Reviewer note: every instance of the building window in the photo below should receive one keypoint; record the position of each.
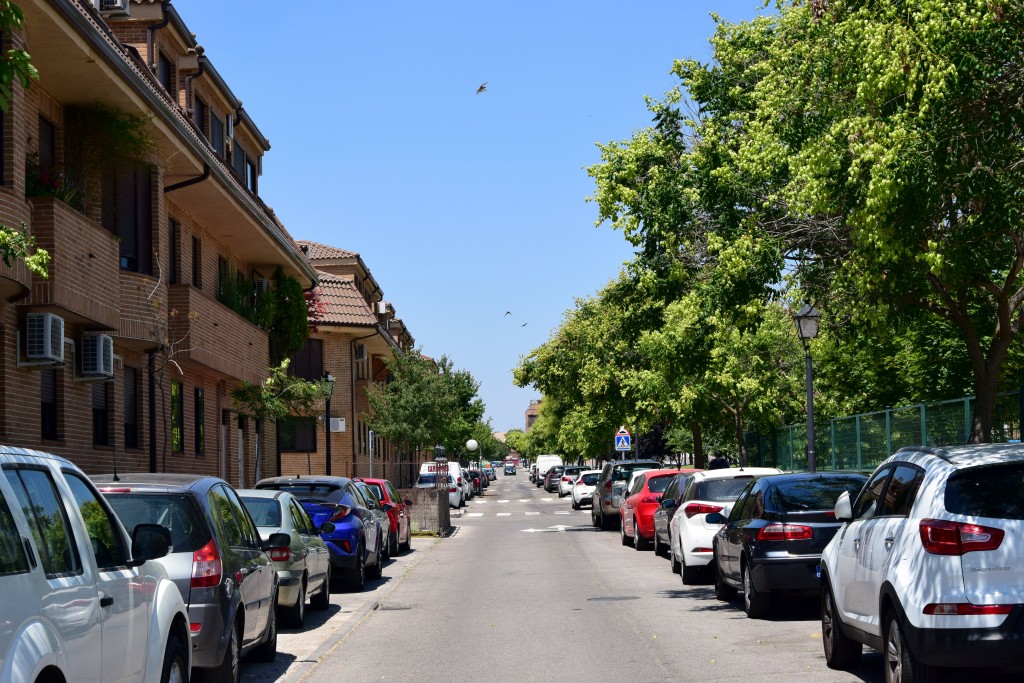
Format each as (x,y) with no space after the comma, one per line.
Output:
(48,403)
(200,409)
(238,161)
(174,258)
(197,263)
(223,273)
(127,213)
(131,408)
(47,146)
(308,362)
(361,362)
(199,116)
(217,134)
(250,175)
(164,73)
(297,434)
(177,417)
(100,415)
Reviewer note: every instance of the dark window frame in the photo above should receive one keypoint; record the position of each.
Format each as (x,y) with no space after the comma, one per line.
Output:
(131,407)
(199,410)
(49,405)
(127,213)
(177,417)
(197,262)
(165,72)
(173,251)
(101,401)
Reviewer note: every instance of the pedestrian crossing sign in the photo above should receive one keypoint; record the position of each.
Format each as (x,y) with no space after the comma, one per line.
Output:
(622,440)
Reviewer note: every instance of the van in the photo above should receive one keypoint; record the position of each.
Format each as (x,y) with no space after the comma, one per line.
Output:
(544,463)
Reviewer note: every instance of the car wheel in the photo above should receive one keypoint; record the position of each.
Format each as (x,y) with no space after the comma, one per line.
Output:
(321,600)
(900,664)
(677,566)
(267,652)
(384,550)
(175,668)
(841,652)
(406,545)
(294,615)
(639,542)
(690,575)
(756,604)
(723,591)
(659,550)
(355,578)
(626,540)
(393,548)
(230,668)
(575,505)
(377,569)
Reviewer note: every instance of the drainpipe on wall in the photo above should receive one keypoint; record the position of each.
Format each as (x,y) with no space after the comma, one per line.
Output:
(150,51)
(189,101)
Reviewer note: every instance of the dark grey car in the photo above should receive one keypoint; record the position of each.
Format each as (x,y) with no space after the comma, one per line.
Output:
(217,560)
(663,516)
(604,512)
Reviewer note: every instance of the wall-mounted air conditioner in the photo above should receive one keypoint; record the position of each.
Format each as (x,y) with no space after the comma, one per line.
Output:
(112,8)
(44,338)
(360,352)
(97,356)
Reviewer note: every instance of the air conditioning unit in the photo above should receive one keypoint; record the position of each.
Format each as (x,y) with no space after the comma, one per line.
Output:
(112,8)
(382,307)
(98,356)
(45,338)
(360,352)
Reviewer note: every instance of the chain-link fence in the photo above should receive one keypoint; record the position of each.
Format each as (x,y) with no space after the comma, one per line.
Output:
(860,442)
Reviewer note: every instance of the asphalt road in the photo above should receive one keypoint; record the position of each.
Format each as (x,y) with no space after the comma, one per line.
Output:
(525,589)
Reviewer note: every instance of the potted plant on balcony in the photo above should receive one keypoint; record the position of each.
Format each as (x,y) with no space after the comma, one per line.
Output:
(42,182)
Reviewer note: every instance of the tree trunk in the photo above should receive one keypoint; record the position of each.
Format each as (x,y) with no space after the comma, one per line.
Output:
(698,447)
(258,470)
(738,424)
(985,385)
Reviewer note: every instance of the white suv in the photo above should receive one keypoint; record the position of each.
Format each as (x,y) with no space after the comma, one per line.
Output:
(84,602)
(928,567)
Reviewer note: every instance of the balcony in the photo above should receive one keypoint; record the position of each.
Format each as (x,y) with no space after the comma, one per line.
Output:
(220,338)
(83,276)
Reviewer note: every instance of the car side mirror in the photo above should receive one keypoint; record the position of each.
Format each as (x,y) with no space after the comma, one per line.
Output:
(388,507)
(326,528)
(408,502)
(668,503)
(277,540)
(715,518)
(844,511)
(149,542)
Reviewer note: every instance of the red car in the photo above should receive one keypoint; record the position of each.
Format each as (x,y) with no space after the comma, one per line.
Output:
(398,515)
(636,513)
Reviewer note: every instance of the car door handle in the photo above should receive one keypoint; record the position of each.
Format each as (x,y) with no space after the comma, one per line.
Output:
(889,540)
(106,601)
(856,544)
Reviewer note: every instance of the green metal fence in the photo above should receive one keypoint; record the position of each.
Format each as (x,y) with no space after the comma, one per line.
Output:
(860,442)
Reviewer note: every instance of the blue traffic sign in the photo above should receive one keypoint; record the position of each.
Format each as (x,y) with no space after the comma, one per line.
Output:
(622,442)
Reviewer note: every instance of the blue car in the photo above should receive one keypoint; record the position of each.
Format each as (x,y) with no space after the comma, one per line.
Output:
(357,544)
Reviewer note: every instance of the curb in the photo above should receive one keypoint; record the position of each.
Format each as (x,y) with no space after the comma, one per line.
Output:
(357,618)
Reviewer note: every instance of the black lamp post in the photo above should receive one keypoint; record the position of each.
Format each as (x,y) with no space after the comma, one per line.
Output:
(807,319)
(329,379)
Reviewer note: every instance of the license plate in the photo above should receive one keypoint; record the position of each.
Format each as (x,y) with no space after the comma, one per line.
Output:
(817,571)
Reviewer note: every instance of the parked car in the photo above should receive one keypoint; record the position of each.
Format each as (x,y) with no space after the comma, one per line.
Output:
(476,481)
(706,492)
(429,481)
(604,512)
(355,544)
(665,511)
(567,479)
(491,474)
(218,561)
(376,508)
(551,478)
(544,463)
(304,565)
(510,469)
(533,472)
(463,480)
(61,546)
(583,488)
(773,538)
(636,514)
(398,513)
(927,565)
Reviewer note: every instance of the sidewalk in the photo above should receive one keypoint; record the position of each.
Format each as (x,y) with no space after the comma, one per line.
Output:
(300,650)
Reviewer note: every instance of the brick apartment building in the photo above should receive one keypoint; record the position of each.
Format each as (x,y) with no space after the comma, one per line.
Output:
(178,249)
(354,330)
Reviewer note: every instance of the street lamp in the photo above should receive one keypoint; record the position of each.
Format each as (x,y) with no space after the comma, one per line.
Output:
(471,446)
(807,319)
(328,378)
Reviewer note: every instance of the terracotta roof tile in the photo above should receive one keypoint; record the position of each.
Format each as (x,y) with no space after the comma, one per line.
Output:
(315,251)
(343,304)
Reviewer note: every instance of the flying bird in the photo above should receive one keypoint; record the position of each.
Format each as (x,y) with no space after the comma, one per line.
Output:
(523,325)
(508,313)
(482,88)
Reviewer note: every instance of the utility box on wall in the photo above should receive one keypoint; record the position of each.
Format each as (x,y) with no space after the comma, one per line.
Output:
(337,424)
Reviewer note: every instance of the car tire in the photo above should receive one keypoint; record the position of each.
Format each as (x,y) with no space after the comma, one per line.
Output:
(384,550)
(393,548)
(756,604)
(677,566)
(841,652)
(723,591)
(690,575)
(593,517)
(900,664)
(626,540)
(639,542)
(175,667)
(267,651)
(406,546)
(321,600)
(377,569)
(293,616)
(659,549)
(230,668)
(355,578)
(575,505)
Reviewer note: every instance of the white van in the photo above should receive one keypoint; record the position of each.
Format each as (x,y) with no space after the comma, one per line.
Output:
(457,473)
(544,463)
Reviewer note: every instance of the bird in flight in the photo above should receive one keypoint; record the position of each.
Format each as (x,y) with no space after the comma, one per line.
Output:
(482,88)
(508,313)
(523,325)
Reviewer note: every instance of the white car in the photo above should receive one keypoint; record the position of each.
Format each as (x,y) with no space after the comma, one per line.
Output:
(567,479)
(928,567)
(428,480)
(583,488)
(82,601)
(706,491)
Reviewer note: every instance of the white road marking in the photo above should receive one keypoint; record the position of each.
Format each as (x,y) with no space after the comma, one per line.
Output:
(524,500)
(502,501)
(504,514)
(562,512)
(474,514)
(547,500)
(532,513)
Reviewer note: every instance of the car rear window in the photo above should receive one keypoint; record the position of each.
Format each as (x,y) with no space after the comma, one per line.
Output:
(811,494)
(995,491)
(427,479)
(328,492)
(659,484)
(174,511)
(591,479)
(721,489)
(623,472)
(265,512)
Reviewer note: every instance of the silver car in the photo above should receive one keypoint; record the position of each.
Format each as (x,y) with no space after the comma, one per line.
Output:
(304,567)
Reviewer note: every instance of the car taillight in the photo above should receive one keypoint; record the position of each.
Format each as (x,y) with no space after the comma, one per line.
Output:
(340,511)
(280,554)
(206,566)
(944,537)
(965,609)
(452,490)
(700,509)
(459,481)
(785,532)
(346,546)
(608,485)
(650,499)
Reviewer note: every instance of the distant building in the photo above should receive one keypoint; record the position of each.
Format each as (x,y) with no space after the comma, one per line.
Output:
(531,413)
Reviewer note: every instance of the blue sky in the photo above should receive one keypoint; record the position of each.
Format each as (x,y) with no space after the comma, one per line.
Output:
(463,206)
